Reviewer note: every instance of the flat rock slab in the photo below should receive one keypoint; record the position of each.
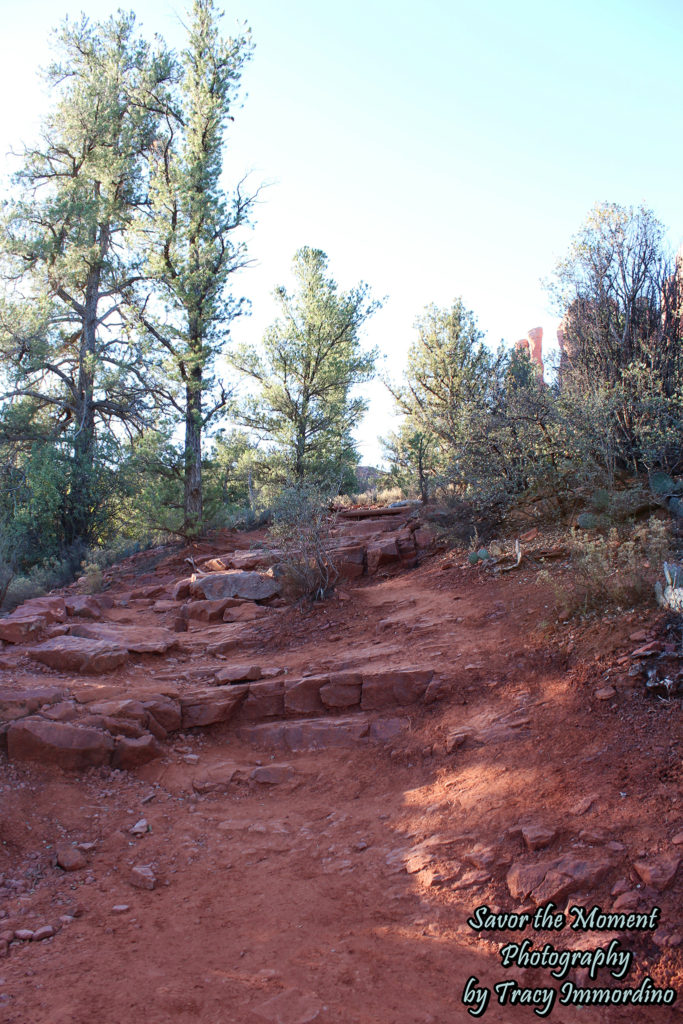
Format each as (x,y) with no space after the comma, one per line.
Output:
(342,691)
(20,629)
(137,640)
(554,879)
(249,560)
(20,703)
(58,743)
(251,586)
(84,606)
(132,752)
(400,686)
(310,734)
(80,654)
(219,778)
(272,774)
(238,674)
(52,608)
(302,696)
(206,707)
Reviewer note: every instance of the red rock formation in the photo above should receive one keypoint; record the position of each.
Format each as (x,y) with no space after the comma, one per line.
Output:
(533,346)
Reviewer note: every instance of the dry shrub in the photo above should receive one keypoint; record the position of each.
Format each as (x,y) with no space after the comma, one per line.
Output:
(301,533)
(613,571)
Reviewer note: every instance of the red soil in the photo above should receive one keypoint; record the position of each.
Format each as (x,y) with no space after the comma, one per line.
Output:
(291,902)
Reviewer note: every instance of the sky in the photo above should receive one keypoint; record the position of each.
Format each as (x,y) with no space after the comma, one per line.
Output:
(436,150)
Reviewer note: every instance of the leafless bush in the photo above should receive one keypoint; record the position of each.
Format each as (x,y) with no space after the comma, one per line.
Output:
(301,534)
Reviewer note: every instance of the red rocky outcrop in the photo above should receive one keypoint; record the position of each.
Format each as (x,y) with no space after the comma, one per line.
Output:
(78,654)
(58,743)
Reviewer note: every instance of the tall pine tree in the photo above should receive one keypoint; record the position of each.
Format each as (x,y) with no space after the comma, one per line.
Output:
(68,366)
(191,242)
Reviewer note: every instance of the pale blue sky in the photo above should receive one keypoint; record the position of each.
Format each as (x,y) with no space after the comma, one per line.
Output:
(433,150)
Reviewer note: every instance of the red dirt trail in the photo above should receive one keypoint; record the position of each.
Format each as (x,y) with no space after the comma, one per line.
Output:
(342,893)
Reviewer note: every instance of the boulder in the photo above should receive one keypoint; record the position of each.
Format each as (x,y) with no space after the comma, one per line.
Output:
(68,746)
(52,609)
(424,538)
(133,752)
(181,590)
(69,858)
(406,549)
(79,654)
(206,707)
(136,639)
(252,586)
(207,611)
(302,696)
(342,691)
(658,872)
(19,629)
(83,606)
(350,561)
(244,612)
(165,711)
(382,552)
(400,686)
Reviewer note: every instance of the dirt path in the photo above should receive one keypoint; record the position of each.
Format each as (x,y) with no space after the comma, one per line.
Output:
(340,890)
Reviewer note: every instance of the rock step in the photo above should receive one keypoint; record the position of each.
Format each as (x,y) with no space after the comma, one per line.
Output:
(47,726)
(321,733)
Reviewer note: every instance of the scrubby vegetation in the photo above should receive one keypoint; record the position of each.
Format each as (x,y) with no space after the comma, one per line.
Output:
(118,248)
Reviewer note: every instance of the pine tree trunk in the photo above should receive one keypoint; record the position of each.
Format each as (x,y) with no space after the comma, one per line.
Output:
(82,497)
(193,507)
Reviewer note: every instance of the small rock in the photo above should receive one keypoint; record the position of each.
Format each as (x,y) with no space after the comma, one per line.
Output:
(627,901)
(583,806)
(70,859)
(537,837)
(23,934)
(142,877)
(455,740)
(66,919)
(120,908)
(140,828)
(678,840)
(272,774)
(605,693)
(46,932)
(659,872)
